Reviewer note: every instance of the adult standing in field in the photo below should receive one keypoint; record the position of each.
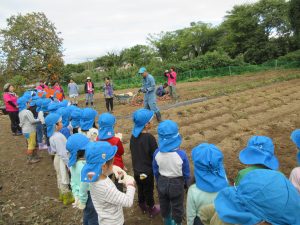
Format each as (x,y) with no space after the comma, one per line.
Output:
(73,91)
(89,91)
(108,89)
(149,92)
(42,86)
(10,99)
(172,77)
(59,89)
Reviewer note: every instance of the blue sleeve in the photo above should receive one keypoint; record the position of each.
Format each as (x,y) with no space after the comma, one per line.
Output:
(185,166)
(152,84)
(155,165)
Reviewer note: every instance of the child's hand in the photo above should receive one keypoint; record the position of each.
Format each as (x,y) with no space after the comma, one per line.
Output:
(128,181)
(81,206)
(75,204)
(118,172)
(90,175)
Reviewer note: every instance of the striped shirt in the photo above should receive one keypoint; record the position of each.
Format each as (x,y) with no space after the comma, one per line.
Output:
(108,201)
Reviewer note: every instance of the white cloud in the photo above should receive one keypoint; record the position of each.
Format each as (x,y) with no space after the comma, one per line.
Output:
(90,28)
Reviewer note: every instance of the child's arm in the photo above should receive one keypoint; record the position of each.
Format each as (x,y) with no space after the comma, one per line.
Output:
(73,184)
(191,210)
(30,117)
(185,166)
(153,145)
(61,150)
(155,166)
(120,148)
(114,196)
(83,192)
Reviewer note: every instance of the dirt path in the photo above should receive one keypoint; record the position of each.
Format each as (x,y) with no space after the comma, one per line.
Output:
(29,193)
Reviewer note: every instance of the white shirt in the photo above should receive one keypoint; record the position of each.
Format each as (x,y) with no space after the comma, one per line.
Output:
(109,201)
(41,117)
(27,121)
(58,144)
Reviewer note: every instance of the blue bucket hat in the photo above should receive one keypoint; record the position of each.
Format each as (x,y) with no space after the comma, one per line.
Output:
(38,104)
(45,104)
(295,136)
(22,103)
(64,103)
(169,138)
(142,70)
(53,107)
(259,150)
(263,195)
(65,114)
(50,122)
(75,143)
(75,117)
(28,95)
(33,100)
(209,170)
(87,118)
(140,118)
(96,155)
(106,124)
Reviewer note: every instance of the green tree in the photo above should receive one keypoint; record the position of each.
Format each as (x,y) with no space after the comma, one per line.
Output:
(32,47)
(294,14)
(138,55)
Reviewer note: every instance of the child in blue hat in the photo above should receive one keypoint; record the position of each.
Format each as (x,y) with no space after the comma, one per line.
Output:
(107,199)
(76,147)
(87,124)
(40,127)
(172,172)
(259,154)
(295,136)
(61,159)
(210,178)
(106,124)
(65,113)
(28,125)
(75,119)
(262,196)
(142,146)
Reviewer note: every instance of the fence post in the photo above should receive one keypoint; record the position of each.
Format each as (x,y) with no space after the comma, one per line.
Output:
(229,70)
(190,74)
(276,64)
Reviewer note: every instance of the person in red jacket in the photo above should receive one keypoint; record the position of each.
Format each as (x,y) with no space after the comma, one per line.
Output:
(172,77)
(10,99)
(106,124)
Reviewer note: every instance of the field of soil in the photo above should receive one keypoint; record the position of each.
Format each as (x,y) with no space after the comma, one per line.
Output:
(266,103)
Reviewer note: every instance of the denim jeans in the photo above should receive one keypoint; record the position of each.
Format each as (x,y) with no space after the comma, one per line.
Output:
(89,98)
(90,216)
(39,133)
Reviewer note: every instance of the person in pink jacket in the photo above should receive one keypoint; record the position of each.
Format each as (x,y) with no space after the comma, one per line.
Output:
(59,89)
(172,76)
(10,99)
(42,86)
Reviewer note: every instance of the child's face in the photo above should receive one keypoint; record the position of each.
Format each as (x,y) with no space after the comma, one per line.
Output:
(107,168)
(106,81)
(59,125)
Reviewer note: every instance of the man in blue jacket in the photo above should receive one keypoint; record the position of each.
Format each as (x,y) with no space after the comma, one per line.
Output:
(149,92)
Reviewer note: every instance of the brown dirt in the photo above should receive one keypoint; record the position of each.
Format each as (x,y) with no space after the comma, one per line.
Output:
(29,193)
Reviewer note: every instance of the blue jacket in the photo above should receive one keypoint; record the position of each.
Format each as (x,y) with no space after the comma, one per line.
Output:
(171,164)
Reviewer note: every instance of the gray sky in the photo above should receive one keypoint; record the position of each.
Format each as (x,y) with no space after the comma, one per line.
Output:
(91,28)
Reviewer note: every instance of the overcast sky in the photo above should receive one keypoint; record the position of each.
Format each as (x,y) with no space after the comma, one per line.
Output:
(90,28)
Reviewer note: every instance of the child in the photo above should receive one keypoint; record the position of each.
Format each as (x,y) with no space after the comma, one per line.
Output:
(108,89)
(161,90)
(27,123)
(75,119)
(262,196)
(58,146)
(172,172)
(259,154)
(108,201)
(44,108)
(142,147)
(75,145)
(210,177)
(106,124)
(65,112)
(295,136)
(40,126)
(10,99)
(87,121)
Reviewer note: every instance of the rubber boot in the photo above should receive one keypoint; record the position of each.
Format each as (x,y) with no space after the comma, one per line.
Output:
(143,207)
(158,116)
(61,196)
(68,198)
(169,221)
(155,210)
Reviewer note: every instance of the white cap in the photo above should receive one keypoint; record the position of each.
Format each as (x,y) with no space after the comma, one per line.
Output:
(88,78)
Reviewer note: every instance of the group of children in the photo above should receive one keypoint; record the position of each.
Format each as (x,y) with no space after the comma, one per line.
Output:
(99,185)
